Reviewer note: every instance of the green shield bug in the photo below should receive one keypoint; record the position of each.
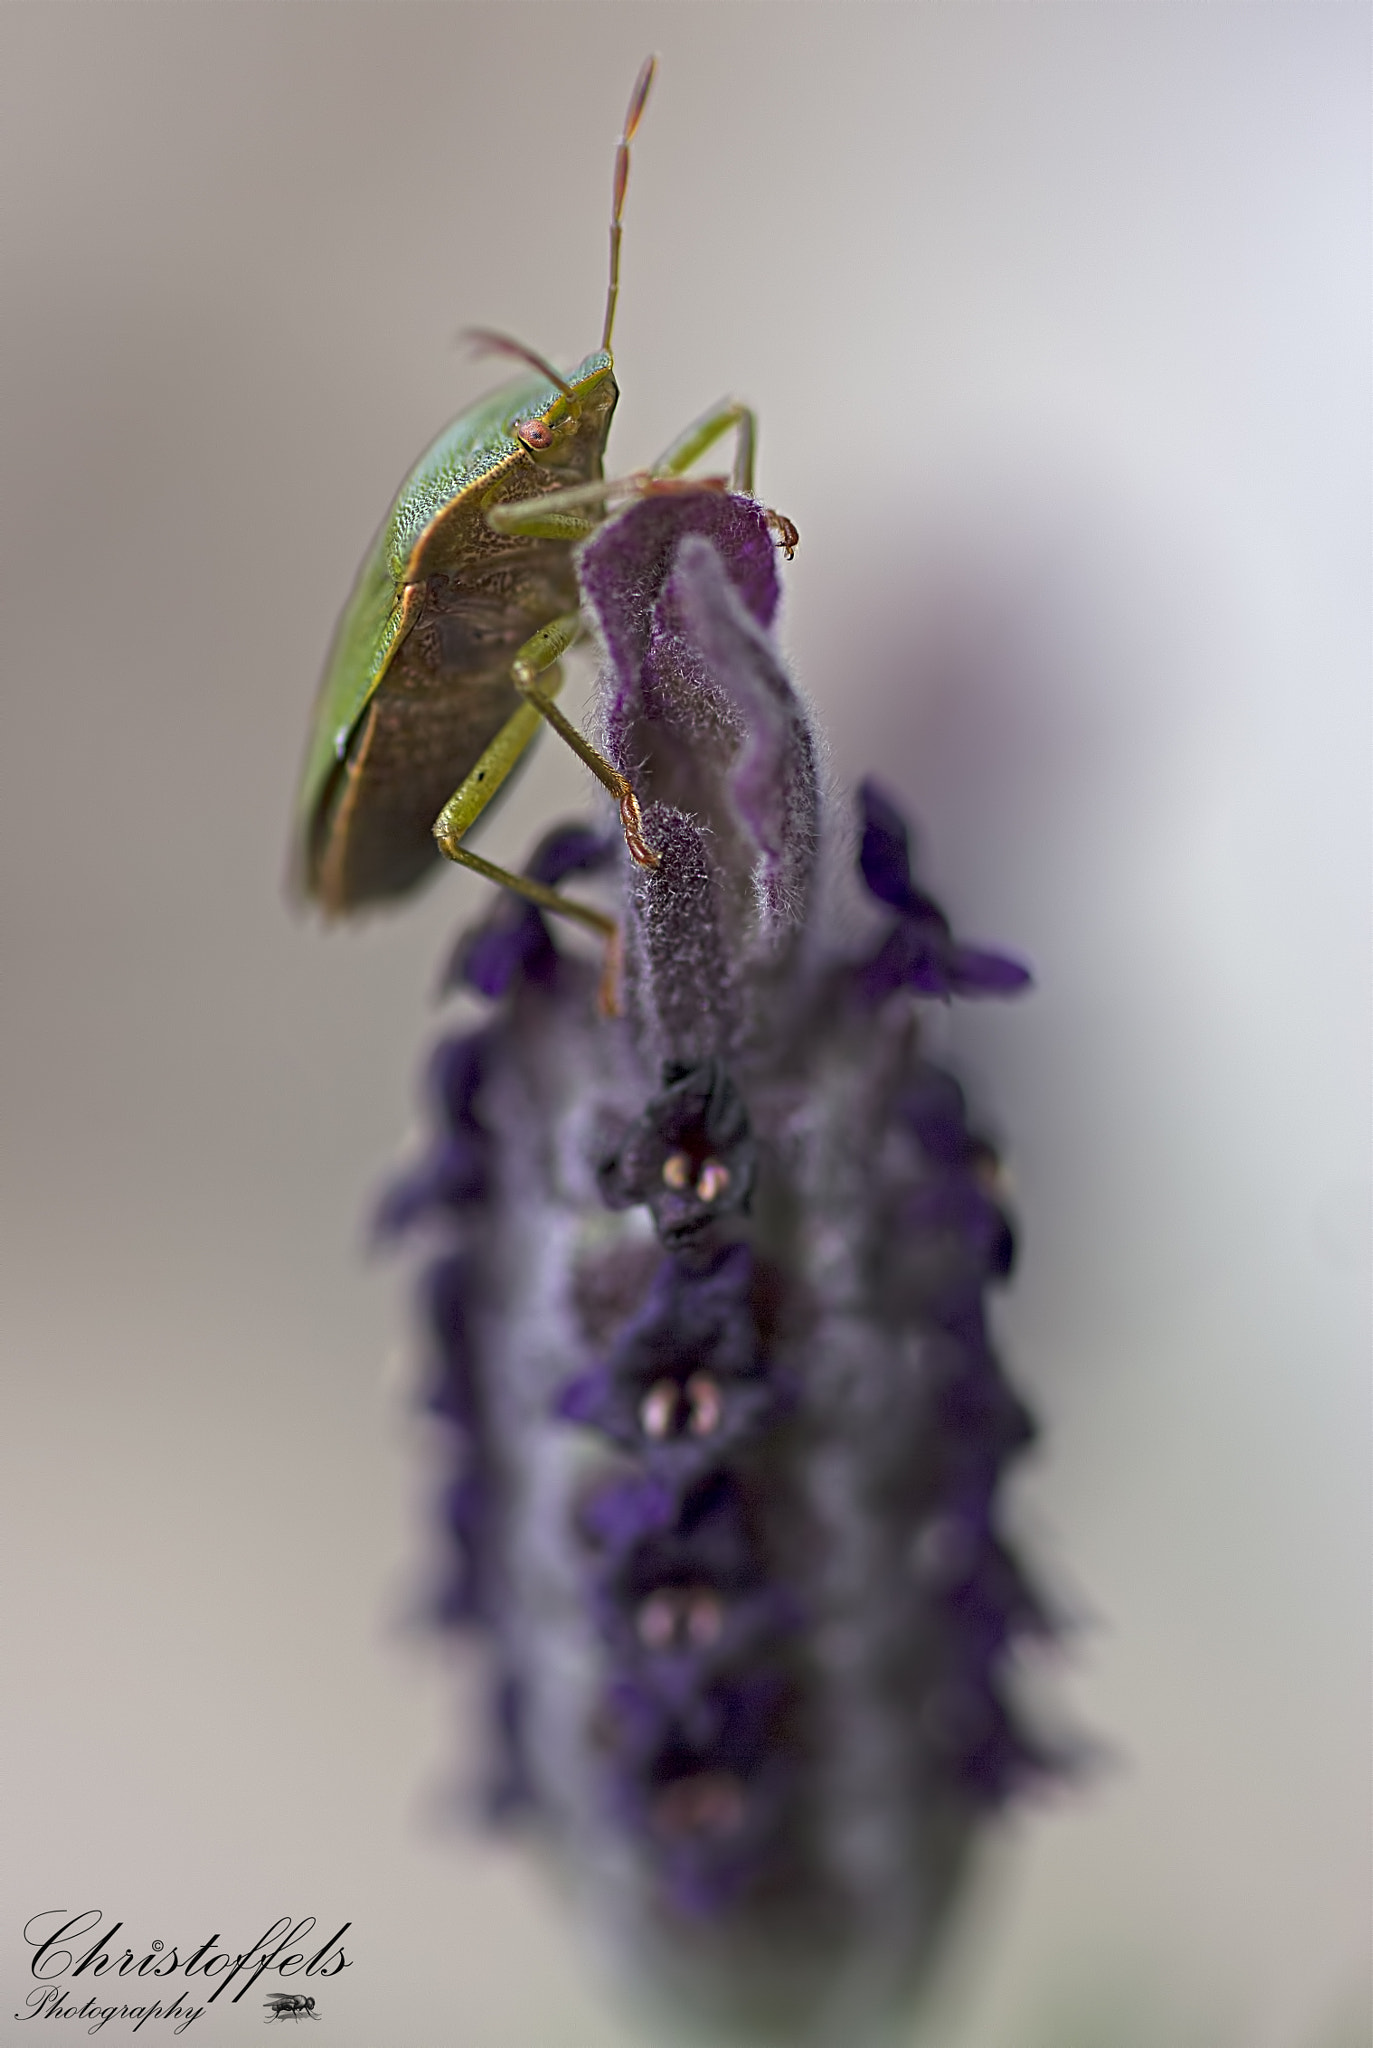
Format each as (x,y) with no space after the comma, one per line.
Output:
(445,661)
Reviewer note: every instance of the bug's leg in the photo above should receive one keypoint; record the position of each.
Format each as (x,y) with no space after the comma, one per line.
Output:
(568,520)
(466,805)
(538,655)
(468,802)
(532,518)
(563,514)
(729,416)
(565,906)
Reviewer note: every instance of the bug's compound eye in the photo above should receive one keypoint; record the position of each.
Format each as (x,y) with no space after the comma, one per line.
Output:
(713,1181)
(534,433)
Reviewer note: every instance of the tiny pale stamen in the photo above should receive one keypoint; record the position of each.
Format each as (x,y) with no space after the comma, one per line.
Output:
(704,1618)
(677,1171)
(706,1405)
(657,1621)
(658,1409)
(713,1181)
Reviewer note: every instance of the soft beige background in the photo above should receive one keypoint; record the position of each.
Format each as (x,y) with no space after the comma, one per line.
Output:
(1056,318)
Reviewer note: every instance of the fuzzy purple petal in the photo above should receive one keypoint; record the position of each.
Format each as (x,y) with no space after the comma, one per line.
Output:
(623,568)
(884,858)
(973,972)
(772,780)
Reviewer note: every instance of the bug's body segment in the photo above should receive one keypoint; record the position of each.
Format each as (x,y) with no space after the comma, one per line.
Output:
(418,681)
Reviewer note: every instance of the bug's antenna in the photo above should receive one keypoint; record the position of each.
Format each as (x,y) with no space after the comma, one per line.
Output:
(632,118)
(488,342)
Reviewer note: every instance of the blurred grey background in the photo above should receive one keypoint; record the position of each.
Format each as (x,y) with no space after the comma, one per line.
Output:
(1056,318)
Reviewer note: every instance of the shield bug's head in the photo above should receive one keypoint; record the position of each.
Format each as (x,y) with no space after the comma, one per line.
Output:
(583,405)
(540,430)
(584,401)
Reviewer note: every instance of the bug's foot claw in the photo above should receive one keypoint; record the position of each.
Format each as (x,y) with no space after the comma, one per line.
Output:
(784,531)
(632,824)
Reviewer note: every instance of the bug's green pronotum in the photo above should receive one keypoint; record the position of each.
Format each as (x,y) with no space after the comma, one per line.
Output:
(445,661)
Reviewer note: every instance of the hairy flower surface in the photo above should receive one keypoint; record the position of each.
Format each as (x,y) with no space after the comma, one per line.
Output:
(708,1341)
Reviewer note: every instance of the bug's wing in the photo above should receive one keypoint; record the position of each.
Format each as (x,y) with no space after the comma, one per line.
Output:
(467,454)
(364,642)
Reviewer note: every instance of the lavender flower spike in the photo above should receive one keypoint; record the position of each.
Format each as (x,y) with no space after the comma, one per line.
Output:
(708,1320)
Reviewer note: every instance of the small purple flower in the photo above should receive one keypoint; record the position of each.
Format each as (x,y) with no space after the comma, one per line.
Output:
(709,1339)
(688,1379)
(452,1175)
(692,1595)
(919,951)
(689,1158)
(514,941)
